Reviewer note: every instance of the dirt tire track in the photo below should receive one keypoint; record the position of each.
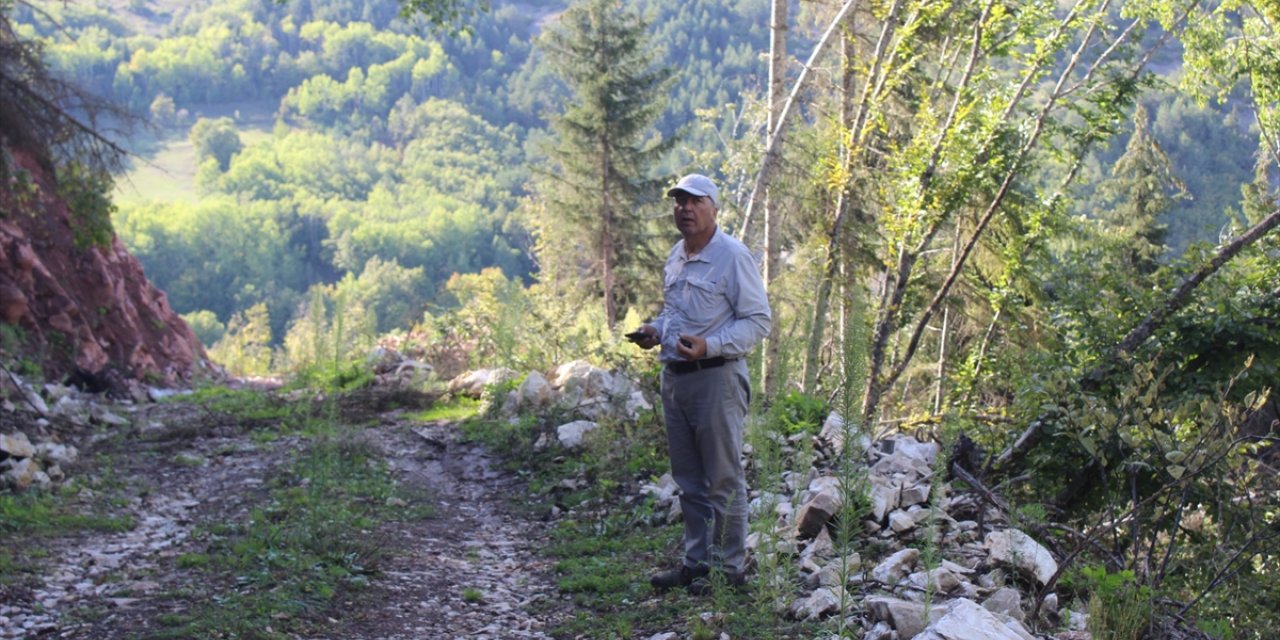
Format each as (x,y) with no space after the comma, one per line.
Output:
(473,569)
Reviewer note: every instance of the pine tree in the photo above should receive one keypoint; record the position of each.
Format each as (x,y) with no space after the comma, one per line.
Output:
(593,230)
(1142,187)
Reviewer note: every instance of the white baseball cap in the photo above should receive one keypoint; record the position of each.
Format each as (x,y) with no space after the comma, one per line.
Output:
(698,185)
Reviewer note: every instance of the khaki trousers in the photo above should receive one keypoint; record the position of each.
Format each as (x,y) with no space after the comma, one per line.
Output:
(705,412)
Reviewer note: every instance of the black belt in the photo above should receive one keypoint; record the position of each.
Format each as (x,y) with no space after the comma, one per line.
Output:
(688,366)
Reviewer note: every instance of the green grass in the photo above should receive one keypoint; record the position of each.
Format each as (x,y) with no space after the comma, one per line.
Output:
(501,436)
(605,565)
(188,460)
(37,513)
(305,544)
(606,549)
(166,168)
(245,405)
(457,409)
(167,175)
(28,517)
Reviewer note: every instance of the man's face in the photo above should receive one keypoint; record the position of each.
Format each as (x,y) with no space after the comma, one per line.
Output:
(694,216)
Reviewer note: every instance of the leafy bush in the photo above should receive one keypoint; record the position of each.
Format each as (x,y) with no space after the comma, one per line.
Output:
(796,412)
(1119,608)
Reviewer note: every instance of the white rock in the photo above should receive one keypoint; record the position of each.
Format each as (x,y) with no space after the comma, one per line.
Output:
(829,576)
(16,445)
(893,569)
(901,522)
(833,433)
(1075,620)
(820,547)
(595,393)
(535,391)
(676,513)
(572,434)
(411,368)
(55,453)
(993,579)
(809,565)
(1005,601)
(821,602)
(966,620)
(905,617)
(881,631)
(663,491)
(581,384)
(822,484)
(22,473)
(917,493)
(784,511)
(56,392)
(897,464)
(884,497)
(1016,549)
(1050,604)
(815,514)
(473,383)
(968,590)
(940,579)
(637,404)
(925,452)
(669,635)
(920,515)
(68,406)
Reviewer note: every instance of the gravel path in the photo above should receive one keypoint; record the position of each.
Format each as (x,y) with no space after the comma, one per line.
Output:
(472,570)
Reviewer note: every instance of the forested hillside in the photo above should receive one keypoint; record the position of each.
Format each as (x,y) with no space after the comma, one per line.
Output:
(412,148)
(1040,233)
(398,153)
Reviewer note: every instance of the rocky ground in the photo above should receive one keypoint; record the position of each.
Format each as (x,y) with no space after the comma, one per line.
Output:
(935,563)
(470,570)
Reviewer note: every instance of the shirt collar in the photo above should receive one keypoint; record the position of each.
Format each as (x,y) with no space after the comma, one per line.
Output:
(701,255)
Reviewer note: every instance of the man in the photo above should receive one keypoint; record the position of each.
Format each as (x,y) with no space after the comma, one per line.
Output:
(714,311)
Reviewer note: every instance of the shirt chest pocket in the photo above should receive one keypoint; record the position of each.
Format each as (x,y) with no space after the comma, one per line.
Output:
(699,294)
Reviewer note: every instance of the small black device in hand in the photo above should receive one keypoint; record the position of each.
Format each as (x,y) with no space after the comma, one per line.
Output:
(686,343)
(636,336)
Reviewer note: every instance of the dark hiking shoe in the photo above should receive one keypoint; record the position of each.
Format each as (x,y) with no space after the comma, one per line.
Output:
(682,577)
(705,585)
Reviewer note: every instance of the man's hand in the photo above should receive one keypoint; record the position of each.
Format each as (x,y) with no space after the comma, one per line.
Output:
(691,347)
(650,339)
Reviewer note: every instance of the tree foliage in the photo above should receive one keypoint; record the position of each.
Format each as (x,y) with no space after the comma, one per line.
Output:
(603,153)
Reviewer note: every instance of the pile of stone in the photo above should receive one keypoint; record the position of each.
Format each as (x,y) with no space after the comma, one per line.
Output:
(35,455)
(23,465)
(934,566)
(584,393)
(391,368)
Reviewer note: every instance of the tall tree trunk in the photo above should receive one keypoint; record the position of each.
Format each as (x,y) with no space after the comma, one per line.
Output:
(606,240)
(834,257)
(942,337)
(773,149)
(777,77)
